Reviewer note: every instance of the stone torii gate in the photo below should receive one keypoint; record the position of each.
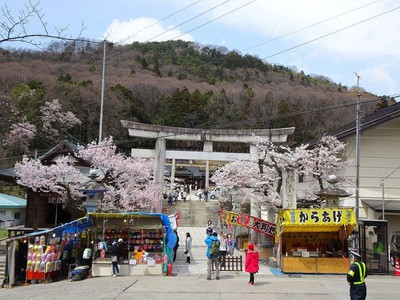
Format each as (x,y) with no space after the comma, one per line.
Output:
(207,136)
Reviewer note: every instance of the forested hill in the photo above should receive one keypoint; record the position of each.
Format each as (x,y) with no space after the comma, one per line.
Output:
(172,83)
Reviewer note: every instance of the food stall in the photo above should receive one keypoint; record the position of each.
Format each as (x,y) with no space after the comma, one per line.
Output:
(314,240)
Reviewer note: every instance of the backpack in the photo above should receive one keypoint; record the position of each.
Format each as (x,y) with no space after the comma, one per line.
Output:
(214,249)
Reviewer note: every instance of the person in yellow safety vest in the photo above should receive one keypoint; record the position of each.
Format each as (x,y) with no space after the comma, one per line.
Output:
(356,277)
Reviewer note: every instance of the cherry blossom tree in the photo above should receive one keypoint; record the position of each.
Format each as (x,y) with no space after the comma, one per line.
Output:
(259,179)
(128,181)
(52,122)
(20,135)
(54,119)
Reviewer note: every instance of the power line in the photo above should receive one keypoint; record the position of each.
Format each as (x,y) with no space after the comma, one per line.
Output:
(155,23)
(310,26)
(187,21)
(148,40)
(215,19)
(331,33)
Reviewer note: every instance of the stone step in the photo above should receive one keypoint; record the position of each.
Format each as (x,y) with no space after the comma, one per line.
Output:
(193,213)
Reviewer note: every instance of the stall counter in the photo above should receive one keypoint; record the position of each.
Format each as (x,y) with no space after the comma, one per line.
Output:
(125,269)
(315,265)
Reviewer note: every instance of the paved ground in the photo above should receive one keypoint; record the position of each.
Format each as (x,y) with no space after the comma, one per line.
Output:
(190,282)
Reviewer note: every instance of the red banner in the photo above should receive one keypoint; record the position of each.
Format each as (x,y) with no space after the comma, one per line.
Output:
(248,221)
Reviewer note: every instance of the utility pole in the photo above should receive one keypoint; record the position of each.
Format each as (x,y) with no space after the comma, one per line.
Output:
(383,198)
(358,150)
(102,92)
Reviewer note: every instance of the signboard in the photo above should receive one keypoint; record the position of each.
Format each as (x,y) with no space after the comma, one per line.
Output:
(315,220)
(248,221)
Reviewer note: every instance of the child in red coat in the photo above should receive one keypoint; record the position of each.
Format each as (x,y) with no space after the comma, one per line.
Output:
(251,265)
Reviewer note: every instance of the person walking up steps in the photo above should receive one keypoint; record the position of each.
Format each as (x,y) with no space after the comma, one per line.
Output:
(212,254)
(251,265)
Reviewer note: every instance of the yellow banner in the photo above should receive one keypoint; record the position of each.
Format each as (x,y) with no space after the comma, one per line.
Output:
(315,220)
(323,216)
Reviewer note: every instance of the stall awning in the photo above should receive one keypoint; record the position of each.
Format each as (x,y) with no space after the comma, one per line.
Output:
(315,220)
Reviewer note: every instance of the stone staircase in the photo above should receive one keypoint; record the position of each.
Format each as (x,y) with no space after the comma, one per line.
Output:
(193,213)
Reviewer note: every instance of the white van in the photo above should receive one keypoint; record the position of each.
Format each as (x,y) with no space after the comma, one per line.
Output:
(215,193)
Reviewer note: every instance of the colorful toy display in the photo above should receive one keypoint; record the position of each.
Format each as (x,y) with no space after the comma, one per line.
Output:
(42,259)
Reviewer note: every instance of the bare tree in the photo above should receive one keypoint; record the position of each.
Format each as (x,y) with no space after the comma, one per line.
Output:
(14,28)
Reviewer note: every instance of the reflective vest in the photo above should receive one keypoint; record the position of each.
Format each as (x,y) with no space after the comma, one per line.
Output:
(361,273)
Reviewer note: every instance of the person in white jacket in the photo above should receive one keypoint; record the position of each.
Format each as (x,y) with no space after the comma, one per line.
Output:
(223,248)
(188,247)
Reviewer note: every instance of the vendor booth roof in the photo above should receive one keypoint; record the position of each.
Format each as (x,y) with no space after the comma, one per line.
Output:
(315,220)
(140,218)
(135,221)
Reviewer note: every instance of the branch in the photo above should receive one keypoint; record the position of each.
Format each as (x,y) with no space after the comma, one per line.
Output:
(14,29)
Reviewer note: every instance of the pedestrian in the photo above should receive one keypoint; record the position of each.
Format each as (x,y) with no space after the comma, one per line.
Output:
(251,265)
(188,247)
(209,228)
(205,194)
(176,195)
(230,244)
(115,254)
(199,193)
(356,277)
(184,195)
(170,199)
(223,248)
(176,245)
(212,254)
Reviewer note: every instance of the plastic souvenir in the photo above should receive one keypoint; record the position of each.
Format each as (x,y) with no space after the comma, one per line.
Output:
(37,266)
(42,240)
(48,265)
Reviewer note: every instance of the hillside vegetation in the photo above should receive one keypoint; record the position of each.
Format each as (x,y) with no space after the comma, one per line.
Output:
(172,83)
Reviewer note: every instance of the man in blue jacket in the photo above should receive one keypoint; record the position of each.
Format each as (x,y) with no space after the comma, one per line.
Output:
(212,254)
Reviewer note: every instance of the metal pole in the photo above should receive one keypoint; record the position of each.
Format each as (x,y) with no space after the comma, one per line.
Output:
(357,195)
(383,198)
(102,92)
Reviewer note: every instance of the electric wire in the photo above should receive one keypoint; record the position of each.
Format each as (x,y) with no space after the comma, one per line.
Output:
(358,8)
(332,32)
(310,26)
(155,23)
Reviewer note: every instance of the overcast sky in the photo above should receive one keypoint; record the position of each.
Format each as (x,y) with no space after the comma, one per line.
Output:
(332,38)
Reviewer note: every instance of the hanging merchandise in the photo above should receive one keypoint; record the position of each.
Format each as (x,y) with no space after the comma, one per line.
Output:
(42,261)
